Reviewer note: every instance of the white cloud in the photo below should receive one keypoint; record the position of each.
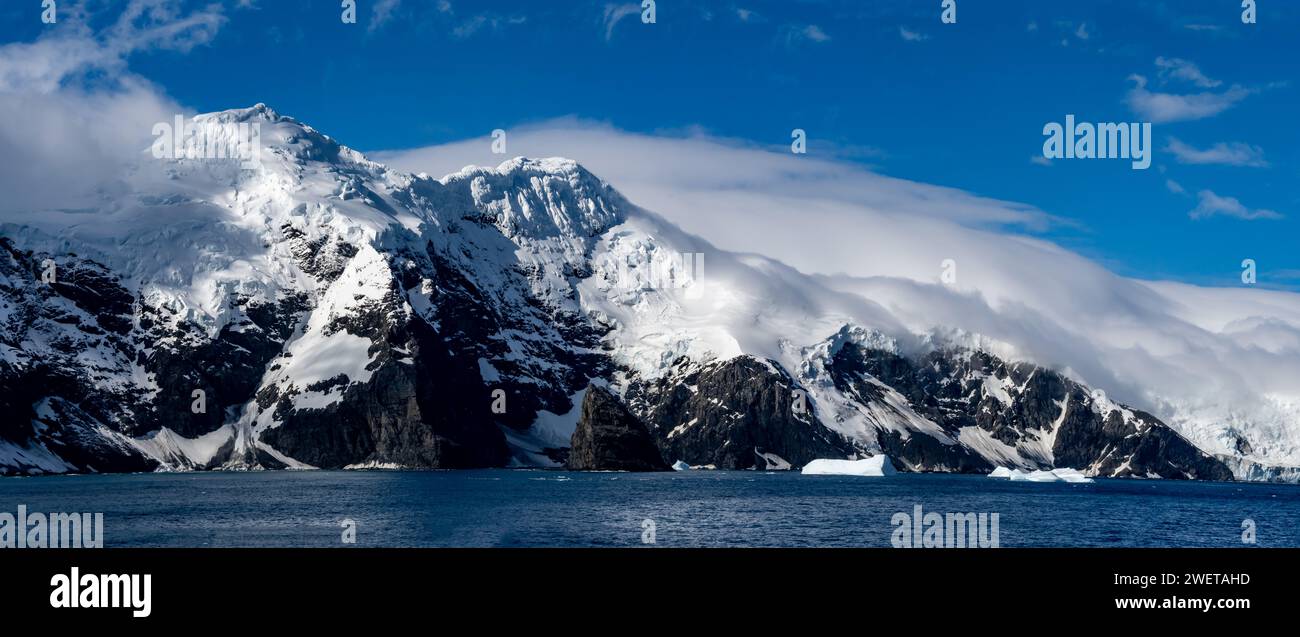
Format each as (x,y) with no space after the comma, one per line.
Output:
(614,13)
(808,33)
(1068,29)
(1211,205)
(1184,70)
(1222,153)
(485,21)
(1175,187)
(718,166)
(470,26)
(71,113)
(815,33)
(912,36)
(381,14)
(1170,107)
(1180,69)
(71,48)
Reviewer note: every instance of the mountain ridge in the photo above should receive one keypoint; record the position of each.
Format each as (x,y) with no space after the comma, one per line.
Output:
(335,313)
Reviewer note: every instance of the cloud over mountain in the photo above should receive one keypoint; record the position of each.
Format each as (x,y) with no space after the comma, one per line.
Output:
(1157,345)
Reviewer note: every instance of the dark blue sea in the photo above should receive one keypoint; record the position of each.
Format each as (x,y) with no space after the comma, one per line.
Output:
(527,508)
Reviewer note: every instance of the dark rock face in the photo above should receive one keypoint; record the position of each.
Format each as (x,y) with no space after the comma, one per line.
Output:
(853,369)
(1135,447)
(609,438)
(226,368)
(1023,407)
(733,414)
(74,436)
(55,405)
(323,257)
(425,410)
(426,403)
(919,452)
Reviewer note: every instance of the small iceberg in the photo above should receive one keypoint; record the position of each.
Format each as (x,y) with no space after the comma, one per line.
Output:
(874,466)
(681,466)
(1055,475)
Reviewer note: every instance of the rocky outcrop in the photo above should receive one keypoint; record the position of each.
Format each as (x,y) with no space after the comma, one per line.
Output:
(61,407)
(742,413)
(227,368)
(424,409)
(1017,415)
(610,438)
(865,375)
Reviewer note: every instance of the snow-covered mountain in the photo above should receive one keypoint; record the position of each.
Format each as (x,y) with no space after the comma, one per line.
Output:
(322,310)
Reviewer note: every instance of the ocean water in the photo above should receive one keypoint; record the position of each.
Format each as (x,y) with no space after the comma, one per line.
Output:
(513,508)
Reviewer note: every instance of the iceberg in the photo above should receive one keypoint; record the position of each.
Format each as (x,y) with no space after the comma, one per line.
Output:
(874,466)
(1055,475)
(681,466)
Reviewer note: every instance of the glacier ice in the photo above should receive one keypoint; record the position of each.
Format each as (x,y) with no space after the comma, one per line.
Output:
(1054,475)
(875,466)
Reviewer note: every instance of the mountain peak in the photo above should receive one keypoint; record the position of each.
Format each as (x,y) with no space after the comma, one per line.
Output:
(257,113)
(521,165)
(550,165)
(280,133)
(543,197)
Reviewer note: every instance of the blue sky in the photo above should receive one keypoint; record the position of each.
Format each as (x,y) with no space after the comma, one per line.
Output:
(884,84)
